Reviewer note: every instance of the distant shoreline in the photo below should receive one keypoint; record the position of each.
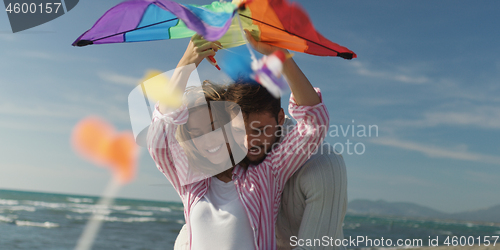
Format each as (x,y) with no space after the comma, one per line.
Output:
(84,195)
(489,216)
(481,223)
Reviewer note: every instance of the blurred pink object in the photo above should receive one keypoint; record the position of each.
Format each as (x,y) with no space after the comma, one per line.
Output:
(268,72)
(98,142)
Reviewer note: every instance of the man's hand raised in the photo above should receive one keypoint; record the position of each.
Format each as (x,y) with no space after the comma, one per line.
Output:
(261,47)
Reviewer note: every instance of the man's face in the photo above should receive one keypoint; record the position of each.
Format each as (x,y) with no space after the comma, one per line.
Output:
(262,131)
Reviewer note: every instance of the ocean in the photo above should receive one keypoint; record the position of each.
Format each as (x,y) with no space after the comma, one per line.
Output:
(30,220)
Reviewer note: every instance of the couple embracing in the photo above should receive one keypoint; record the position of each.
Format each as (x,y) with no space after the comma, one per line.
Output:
(248,177)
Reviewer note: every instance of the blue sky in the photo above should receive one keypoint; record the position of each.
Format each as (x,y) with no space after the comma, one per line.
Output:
(426,75)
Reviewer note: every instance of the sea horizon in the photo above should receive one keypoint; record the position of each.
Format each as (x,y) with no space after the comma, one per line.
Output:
(86,195)
(41,220)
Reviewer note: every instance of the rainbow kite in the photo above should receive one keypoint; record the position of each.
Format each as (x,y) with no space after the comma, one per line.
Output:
(275,22)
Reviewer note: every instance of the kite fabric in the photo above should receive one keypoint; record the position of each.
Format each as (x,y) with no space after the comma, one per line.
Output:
(288,26)
(275,22)
(148,20)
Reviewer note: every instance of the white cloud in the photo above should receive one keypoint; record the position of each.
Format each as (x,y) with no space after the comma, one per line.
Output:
(114,107)
(8,37)
(396,75)
(52,127)
(52,56)
(457,89)
(487,117)
(37,110)
(118,78)
(40,55)
(52,117)
(459,153)
(482,177)
(375,101)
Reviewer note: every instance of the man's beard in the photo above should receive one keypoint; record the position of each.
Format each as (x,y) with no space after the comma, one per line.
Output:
(247,162)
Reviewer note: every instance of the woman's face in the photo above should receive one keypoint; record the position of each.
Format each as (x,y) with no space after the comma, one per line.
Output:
(207,136)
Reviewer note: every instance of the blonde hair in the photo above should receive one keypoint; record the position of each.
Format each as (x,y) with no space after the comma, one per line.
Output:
(196,98)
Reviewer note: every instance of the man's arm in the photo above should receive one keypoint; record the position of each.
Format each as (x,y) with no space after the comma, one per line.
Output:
(307,108)
(301,88)
(314,202)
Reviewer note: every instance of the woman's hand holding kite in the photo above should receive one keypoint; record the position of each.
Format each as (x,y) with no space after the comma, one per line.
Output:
(197,50)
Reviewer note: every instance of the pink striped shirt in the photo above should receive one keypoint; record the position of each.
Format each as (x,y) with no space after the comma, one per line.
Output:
(260,186)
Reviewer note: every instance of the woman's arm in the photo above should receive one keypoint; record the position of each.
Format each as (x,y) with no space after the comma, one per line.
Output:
(164,148)
(197,50)
(169,156)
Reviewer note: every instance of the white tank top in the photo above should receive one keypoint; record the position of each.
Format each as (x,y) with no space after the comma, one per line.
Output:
(219,220)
